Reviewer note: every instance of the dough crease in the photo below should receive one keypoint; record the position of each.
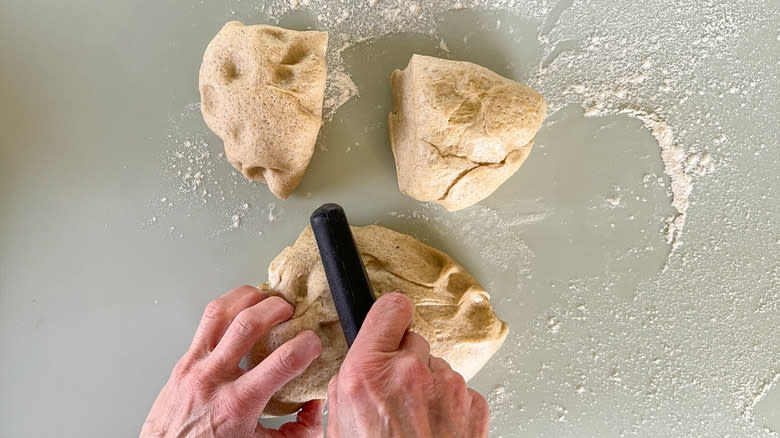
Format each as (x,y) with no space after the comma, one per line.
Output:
(452,311)
(459,130)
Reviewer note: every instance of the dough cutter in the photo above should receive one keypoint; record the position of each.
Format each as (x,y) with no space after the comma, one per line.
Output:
(349,284)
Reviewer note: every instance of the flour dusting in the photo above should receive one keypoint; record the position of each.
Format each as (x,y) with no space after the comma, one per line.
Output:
(687,351)
(195,167)
(339,89)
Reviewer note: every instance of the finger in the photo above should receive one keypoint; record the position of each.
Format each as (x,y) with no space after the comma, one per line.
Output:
(332,392)
(438,365)
(332,405)
(452,387)
(308,423)
(287,362)
(247,327)
(385,325)
(478,416)
(417,345)
(457,394)
(220,312)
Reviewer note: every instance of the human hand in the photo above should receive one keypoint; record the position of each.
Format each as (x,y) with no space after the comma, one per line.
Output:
(390,386)
(208,395)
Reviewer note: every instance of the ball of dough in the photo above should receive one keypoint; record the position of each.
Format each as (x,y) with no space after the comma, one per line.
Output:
(452,311)
(459,130)
(261,92)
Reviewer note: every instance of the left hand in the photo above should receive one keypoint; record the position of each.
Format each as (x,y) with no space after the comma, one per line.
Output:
(209,395)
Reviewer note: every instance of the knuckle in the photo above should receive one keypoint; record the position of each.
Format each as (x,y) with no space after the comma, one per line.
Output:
(280,303)
(287,363)
(478,404)
(215,310)
(178,375)
(395,299)
(247,289)
(350,389)
(411,363)
(233,407)
(442,364)
(184,365)
(412,369)
(244,326)
(454,380)
(459,393)
(201,385)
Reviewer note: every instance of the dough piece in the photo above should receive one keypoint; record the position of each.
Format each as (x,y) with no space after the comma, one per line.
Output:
(453,312)
(261,92)
(459,130)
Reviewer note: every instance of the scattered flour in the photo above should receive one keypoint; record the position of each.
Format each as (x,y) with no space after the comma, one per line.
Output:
(338,90)
(594,68)
(673,156)
(748,411)
(201,177)
(679,357)
(497,234)
(273,212)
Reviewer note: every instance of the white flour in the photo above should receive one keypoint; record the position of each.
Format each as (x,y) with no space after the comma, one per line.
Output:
(600,71)
(498,235)
(201,177)
(339,89)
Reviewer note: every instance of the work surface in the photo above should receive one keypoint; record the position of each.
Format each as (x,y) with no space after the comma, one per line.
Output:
(634,255)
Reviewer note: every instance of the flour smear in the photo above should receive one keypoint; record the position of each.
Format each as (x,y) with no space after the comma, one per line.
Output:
(591,61)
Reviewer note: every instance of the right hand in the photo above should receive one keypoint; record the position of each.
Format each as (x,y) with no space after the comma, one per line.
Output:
(390,386)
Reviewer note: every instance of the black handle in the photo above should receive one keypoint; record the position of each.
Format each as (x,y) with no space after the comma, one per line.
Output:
(349,284)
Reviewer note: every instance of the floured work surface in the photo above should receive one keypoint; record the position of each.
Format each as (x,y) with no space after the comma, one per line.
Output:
(633,255)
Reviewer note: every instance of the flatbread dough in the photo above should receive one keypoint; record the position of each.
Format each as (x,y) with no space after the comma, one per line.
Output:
(459,130)
(453,312)
(261,91)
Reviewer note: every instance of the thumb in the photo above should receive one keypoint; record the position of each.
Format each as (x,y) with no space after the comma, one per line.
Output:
(385,325)
(308,423)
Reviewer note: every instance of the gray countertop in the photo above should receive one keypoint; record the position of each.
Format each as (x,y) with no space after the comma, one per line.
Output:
(119,220)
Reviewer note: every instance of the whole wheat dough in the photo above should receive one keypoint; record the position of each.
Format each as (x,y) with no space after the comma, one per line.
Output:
(453,312)
(459,130)
(261,90)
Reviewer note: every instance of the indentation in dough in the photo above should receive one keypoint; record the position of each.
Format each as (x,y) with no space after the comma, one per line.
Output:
(267,114)
(208,99)
(256,173)
(274,32)
(283,75)
(458,283)
(230,70)
(235,132)
(466,112)
(478,84)
(295,54)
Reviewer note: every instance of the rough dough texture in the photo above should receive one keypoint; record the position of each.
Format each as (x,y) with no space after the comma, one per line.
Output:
(453,312)
(459,130)
(261,91)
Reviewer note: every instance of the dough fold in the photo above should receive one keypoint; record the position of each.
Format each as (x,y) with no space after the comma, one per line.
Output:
(459,130)
(452,311)
(261,90)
